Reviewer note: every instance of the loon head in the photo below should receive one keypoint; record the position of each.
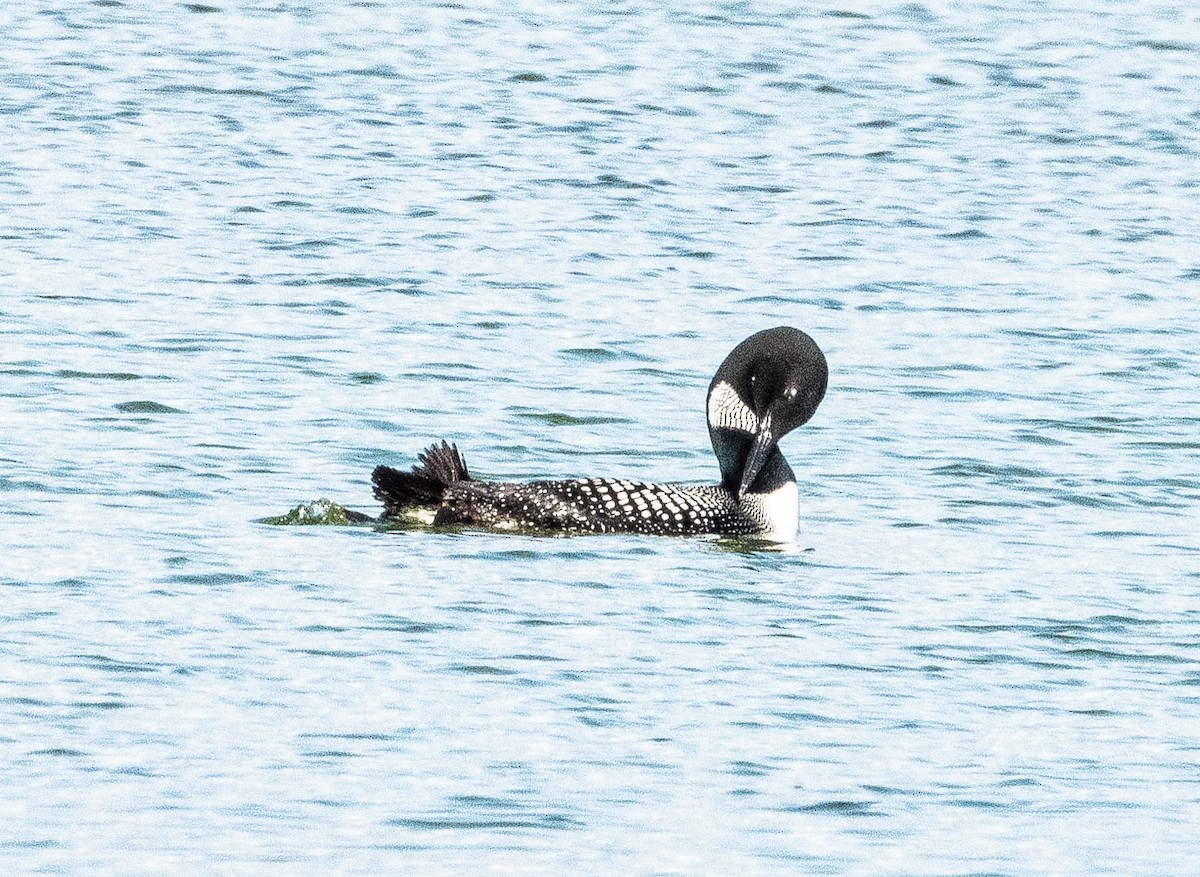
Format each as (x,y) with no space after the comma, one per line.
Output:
(768,385)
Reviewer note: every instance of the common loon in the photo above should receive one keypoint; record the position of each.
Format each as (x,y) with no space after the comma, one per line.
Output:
(767,386)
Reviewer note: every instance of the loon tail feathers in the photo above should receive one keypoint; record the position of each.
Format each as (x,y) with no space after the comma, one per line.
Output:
(439,467)
(442,463)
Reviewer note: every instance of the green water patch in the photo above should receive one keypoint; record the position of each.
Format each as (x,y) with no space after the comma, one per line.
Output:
(103,376)
(321,511)
(143,406)
(555,418)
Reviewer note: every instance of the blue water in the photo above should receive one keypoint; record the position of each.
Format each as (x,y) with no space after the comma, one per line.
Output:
(251,251)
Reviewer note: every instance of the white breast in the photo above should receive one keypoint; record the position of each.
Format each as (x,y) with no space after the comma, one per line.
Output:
(780,509)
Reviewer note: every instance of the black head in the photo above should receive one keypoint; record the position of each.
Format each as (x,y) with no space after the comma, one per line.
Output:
(768,385)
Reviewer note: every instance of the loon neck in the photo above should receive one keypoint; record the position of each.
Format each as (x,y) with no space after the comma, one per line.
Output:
(733,450)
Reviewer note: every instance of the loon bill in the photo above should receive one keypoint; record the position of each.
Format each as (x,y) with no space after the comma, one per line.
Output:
(767,386)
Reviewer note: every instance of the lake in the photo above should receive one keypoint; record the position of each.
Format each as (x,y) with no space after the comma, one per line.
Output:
(253,250)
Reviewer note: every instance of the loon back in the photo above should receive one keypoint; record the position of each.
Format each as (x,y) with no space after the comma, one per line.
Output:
(769,384)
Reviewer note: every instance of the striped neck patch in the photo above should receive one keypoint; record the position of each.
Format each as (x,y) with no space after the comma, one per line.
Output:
(726,410)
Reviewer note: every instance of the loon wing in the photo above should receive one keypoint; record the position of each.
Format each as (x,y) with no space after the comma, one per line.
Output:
(440,466)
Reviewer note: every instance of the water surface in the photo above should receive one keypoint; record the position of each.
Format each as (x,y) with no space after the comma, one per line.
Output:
(251,251)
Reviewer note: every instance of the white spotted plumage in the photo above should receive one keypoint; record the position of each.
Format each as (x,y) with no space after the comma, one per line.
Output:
(602,505)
